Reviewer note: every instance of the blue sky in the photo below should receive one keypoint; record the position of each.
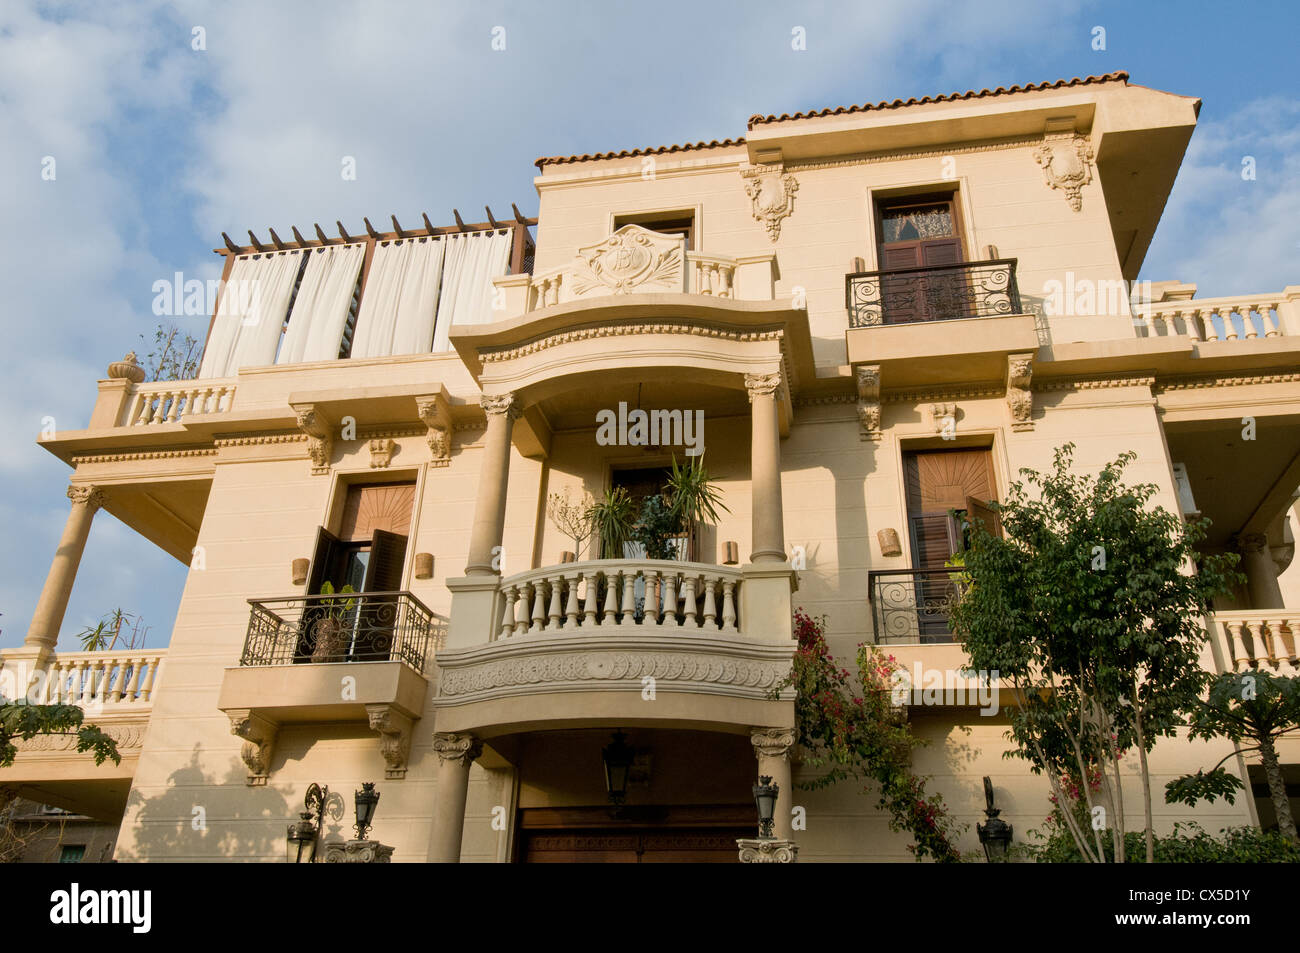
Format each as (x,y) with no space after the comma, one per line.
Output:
(160,147)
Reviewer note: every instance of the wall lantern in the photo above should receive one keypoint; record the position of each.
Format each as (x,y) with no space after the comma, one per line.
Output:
(995,835)
(424,565)
(300,842)
(618,756)
(765,795)
(366,800)
(298,571)
(730,553)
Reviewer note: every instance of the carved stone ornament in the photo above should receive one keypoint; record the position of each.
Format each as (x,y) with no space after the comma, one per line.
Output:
(436,416)
(868,381)
(771,193)
(358,852)
(1020,398)
(320,444)
(395,738)
(772,742)
(381,452)
(767,850)
(91,496)
(461,749)
(762,385)
(944,417)
(496,404)
(1066,161)
(259,743)
(633,259)
(127,369)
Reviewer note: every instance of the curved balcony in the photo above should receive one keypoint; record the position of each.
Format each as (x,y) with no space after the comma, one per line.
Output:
(622,641)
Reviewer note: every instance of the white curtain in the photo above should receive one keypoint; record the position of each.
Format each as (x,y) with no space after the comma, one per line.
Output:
(253,305)
(400,299)
(320,311)
(472,262)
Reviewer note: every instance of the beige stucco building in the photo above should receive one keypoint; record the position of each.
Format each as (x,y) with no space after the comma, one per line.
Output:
(735,288)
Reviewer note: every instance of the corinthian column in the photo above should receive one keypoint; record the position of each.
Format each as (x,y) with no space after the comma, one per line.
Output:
(47,619)
(455,754)
(765,468)
(493,477)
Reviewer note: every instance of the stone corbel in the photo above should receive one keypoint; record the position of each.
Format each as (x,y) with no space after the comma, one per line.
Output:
(868,379)
(320,442)
(435,413)
(395,738)
(259,743)
(1020,396)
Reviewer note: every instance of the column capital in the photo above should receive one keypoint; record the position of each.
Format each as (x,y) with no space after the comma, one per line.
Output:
(494,404)
(85,493)
(772,742)
(1252,542)
(457,748)
(762,385)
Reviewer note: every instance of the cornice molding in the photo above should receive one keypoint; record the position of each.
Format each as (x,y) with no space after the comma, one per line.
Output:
(131,455)
(587,332)
(1206,381)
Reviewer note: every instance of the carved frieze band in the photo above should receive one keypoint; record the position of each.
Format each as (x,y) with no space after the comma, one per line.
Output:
(618,330)
(457,748)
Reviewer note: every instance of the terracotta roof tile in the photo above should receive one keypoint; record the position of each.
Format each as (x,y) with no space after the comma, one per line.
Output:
(1119,76)
(626,153)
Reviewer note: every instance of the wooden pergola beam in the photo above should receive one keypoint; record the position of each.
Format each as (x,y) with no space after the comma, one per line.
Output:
(321,240)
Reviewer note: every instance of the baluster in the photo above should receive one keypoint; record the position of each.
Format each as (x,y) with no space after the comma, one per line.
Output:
(521,611)
(133,686)
(146,409)
(539,606)
(174,406)
(556,611)
(728,605)
(1211,329)
(590,596)
(1268,632)
(151,679)
(1256,642)
(628,616)
(710,607)
(1192,320)
(688,601)
(1272,320)
(651,598)
(1231,629)
(724,279)
(1288,638)
(118,681)
(160,411)
(510,594)
(571,608)
(1229,327)
(1248,323)
(609,615)
(702,271)
(670,600)
(81,684)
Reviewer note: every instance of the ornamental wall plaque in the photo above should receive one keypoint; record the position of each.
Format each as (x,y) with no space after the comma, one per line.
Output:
(1067,165)
(771,194)
(632,259)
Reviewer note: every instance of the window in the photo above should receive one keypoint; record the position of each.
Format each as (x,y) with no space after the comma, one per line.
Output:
(72,853)
(640,483)
(919,236)
(938,483)
(680,222)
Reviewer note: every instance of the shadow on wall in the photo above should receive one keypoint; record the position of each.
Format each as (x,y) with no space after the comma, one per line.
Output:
(202,818)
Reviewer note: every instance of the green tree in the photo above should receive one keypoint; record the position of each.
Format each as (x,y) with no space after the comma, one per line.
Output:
(19,720)
(175,355)
(1256,707)
(1090,611)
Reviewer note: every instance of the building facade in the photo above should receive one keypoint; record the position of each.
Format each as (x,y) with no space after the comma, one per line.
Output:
(860,319)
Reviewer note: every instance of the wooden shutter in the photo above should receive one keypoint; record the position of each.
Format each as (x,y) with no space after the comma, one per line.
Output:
(323,558)
(975,510)
(934,540)
(377,624)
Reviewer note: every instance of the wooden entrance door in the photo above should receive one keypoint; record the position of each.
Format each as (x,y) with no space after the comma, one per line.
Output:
(918,237)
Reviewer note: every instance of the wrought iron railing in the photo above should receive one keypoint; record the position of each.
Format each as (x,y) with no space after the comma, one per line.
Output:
(975,289)
(911,606)
(345,627)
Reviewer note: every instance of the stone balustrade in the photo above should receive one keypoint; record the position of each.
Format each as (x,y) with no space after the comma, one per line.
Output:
(1244,317)
(1263,637)
(711,274)
(621,594)
(166,402)
(110,680)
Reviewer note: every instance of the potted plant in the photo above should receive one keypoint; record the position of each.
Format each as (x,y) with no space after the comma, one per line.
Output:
(613,520)
(692,497)
(330,627)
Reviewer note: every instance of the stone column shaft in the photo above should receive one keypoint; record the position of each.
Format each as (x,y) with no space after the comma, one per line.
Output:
(772,746)
(455,753)
(765,469)
(1261,572)
(494,476)
(43,632)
